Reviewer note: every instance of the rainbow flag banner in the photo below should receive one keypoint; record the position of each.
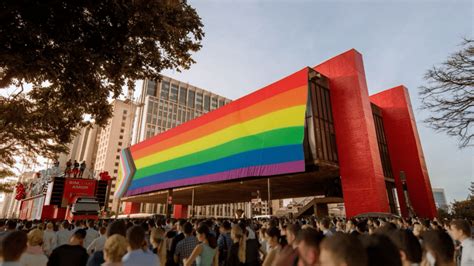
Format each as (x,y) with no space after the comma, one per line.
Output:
(260,134)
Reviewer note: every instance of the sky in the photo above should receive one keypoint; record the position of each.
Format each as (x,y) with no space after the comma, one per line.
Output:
(250,44)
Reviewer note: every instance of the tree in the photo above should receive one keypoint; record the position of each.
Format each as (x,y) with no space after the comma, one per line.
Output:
(77,55)
(463,209)
(443,214)
(449,95)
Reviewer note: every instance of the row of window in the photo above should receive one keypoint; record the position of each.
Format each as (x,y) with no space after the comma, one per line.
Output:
(183,96)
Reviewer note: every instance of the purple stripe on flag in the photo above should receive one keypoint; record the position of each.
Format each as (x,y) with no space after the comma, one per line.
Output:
(261,170)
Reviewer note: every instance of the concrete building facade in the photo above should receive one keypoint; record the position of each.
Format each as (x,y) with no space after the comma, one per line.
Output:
(166,104)
(111,139)
(440,199)
(83,148)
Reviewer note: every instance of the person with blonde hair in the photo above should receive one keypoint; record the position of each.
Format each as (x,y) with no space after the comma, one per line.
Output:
(237,250)
(49,239)
(34,255)
(157,240)
(114,249)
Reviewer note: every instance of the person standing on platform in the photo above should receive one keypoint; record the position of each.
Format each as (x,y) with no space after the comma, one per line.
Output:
(75,170)
(67,171)
(82,168)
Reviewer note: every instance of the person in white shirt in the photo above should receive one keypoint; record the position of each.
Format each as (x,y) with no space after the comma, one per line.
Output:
(98,243)
(325,227)
(49,239)
(63,235)
(460,230)
(91,234)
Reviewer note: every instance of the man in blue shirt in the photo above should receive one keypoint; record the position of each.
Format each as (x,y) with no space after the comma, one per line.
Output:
(138,254)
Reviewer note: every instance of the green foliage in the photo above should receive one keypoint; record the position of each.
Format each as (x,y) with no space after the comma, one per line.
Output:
(76,55)
(463,209)
(442,214)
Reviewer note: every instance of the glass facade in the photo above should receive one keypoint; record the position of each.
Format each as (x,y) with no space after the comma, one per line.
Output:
(151,88)
(182,95)
(165,90)
(174,93)
(174,106)
(207,103)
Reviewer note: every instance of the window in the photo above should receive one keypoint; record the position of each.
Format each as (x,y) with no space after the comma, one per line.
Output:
(116,164)
(124,112)
(120,143)
(115,171)
(123,124)
(150,89)
(121,137)
(191,95)
(124,117)
(182,95)
(165,90)
(213,103)
(198,100)
(174,93)
(118,150)
(117,157)
(207,101)
(121,130)
(221,103)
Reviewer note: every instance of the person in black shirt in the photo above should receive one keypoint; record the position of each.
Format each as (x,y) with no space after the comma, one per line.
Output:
(179,236)
(72,254)
(237,252)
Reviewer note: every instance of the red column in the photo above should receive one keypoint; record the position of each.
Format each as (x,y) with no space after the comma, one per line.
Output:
(363,183)
(180,211)
(405,149)
(131,207)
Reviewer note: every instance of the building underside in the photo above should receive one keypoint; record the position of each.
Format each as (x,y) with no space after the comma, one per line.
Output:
(323,181)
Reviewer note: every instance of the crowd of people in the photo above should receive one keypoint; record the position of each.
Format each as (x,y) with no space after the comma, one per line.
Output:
(250,242)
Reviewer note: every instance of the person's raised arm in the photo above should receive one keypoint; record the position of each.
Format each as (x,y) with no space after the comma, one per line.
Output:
(196,252)
(216,258)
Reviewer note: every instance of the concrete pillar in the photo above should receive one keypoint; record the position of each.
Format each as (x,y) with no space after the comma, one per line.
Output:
(363,183)
(406,154)
(322,210)
(131,207)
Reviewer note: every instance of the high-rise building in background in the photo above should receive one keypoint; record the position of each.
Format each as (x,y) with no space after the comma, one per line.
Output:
(166,104)
(112,139)
(83,148)
(440,199)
